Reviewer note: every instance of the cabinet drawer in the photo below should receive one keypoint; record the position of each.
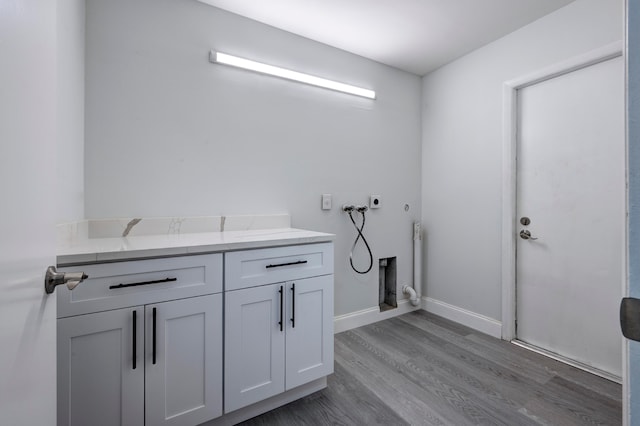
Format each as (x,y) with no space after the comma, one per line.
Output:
(251,268)
(122,284)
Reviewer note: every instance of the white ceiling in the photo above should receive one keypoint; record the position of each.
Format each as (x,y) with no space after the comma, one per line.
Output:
(414,35)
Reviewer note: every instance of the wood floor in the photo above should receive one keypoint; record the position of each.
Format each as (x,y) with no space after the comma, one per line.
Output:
(420,369)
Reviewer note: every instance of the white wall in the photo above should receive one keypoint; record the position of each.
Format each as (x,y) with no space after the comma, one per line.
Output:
(169,134)
(70,111)
(462,148)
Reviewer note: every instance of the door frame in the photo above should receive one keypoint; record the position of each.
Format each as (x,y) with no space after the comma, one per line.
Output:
(509,150)
(509,218)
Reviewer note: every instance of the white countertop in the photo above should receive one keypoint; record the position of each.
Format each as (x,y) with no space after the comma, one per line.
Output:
(92,250)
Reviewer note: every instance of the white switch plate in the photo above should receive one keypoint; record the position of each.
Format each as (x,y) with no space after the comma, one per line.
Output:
(375,202)
(326,201)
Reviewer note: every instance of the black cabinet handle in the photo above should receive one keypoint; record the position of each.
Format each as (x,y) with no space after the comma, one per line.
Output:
(278,265)
(281,291)
(154,335)
(166,280)
(135,340)
(293,305)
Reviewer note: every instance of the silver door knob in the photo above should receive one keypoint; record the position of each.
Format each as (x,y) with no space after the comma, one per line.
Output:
(54,278)
(526,235)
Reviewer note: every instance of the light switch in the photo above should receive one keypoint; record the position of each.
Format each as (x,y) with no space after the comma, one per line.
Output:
(326,201)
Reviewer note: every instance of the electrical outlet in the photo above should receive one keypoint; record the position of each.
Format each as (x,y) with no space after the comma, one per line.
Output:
(326,201)
(375,202)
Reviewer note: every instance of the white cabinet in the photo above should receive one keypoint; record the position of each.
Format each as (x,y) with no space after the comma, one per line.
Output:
(141,342)
(183,361)
(98,380)
(154,364)
(254,346)
(309,342)
(278,336)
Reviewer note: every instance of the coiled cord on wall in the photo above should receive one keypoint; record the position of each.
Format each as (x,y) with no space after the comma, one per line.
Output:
(361,210)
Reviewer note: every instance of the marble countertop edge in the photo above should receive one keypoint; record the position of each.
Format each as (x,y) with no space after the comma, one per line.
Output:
(93,250)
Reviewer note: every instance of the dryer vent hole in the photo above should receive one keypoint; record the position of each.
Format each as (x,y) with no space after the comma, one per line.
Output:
(387,272)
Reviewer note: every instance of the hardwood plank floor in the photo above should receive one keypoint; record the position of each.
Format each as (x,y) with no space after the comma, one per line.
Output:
(421,369)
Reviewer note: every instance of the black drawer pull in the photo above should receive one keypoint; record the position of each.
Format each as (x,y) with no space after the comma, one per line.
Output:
(166,280)
(277,265)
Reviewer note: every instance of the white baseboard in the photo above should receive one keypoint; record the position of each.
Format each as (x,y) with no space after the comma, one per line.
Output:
(462,316)
(369,316)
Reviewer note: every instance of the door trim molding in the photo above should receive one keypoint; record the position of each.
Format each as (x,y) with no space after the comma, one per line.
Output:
(509,121)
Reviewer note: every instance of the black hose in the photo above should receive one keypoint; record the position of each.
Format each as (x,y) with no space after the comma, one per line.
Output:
(360,235)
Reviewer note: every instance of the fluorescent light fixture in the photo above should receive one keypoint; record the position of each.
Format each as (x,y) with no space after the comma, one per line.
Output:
(223,58)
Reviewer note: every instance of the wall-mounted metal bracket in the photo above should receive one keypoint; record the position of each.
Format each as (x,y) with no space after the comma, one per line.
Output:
(54,278)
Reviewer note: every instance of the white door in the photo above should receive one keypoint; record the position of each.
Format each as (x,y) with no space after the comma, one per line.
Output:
(254,338)
(309,348)
(184,378)
(570,185)
(27,242)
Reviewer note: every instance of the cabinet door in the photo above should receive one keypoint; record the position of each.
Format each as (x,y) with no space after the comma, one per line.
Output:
(309,353)
(254,345)
(184,361)
(101,369)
